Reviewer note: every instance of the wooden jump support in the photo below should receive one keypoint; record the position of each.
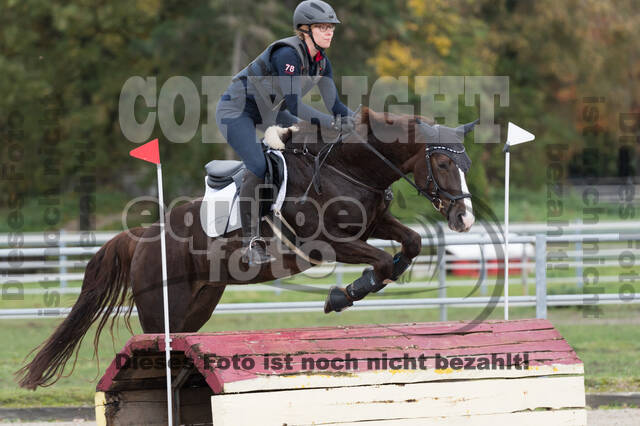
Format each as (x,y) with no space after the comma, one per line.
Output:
(404,374)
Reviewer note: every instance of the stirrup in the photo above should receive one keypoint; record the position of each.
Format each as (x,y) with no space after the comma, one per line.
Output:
(257,255)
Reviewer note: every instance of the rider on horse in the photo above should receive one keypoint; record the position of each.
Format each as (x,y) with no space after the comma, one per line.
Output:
(267,92)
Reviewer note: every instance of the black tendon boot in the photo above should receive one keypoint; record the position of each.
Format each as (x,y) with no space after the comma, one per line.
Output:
(255,252)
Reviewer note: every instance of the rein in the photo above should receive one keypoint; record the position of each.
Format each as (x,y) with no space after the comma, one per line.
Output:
(319,162)
(434,195)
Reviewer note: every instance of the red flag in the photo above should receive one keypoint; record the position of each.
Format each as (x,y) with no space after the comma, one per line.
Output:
(147,152)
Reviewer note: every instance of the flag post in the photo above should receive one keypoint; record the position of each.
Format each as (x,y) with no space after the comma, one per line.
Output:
(165,296)
(150,152)
(507,158)
(515,136)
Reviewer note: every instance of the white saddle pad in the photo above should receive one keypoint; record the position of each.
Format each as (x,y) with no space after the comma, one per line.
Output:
(220,206)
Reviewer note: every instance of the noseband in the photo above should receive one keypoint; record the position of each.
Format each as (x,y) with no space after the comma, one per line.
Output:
(435,196)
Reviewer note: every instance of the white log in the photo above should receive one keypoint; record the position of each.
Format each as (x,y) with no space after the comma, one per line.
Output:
(391,402)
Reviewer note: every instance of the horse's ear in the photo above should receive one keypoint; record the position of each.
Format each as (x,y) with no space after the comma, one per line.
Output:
(467,128)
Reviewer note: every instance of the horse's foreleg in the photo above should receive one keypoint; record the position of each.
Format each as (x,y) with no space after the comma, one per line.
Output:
(390,228)
(372,280)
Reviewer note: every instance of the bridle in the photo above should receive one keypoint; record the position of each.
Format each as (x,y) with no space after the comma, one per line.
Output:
(434,196)
(436,192)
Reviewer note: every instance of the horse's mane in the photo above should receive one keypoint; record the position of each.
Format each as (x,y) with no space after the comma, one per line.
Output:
(385,124)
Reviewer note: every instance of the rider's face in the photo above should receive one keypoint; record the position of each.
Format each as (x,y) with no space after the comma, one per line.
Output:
(322,34)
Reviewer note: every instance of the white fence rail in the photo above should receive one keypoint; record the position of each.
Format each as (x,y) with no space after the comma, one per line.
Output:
(33,263)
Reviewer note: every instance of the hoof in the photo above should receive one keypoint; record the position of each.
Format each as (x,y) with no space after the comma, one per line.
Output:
(337,300)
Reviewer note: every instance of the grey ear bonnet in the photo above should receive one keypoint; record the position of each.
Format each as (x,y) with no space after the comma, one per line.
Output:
(446,140)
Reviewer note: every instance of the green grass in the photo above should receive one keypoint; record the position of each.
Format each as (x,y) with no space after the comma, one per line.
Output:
(608,345)
(20,336)
(609,352)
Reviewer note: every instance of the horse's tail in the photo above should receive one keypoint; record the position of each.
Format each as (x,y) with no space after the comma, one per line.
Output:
(104,291)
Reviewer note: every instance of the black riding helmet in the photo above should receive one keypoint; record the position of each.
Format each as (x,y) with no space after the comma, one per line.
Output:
(314,12)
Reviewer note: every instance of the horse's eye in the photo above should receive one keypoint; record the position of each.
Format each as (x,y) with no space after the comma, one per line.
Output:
(443,166)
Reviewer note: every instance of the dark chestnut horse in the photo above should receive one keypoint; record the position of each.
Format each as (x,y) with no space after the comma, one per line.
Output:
(347,205)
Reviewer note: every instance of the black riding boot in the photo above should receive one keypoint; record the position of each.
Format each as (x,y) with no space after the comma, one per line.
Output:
(255,247)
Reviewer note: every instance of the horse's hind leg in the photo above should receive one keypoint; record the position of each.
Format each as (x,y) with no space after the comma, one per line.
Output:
(203,302)
(149,302)
(146,277)
(189,309)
